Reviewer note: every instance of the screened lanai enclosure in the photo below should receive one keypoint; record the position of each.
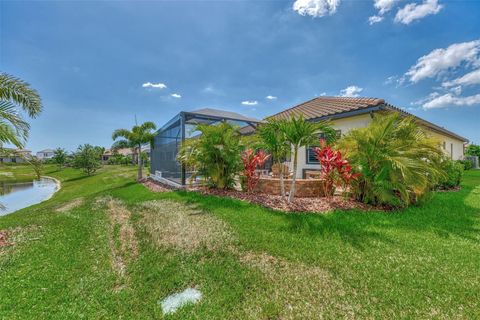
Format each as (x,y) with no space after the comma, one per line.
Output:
(164,163)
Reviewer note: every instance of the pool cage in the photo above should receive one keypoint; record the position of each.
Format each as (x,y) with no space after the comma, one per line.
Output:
(164,164)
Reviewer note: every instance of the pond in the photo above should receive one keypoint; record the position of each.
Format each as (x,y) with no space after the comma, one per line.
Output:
(18,195)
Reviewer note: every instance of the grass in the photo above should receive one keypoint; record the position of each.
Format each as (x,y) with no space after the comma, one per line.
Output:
(249,262)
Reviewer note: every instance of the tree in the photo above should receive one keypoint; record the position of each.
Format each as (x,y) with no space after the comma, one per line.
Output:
(140,134)
(214,155)
(273,140)
(87,158)
(399,163)
(473,150)
(60,157)
(37,166)
(16,94)
(300,133)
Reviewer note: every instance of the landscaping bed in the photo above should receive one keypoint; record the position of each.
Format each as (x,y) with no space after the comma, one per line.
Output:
(299,204)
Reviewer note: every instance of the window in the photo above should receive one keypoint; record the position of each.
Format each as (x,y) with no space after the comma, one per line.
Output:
(451,151)
(310,157)
(444,145)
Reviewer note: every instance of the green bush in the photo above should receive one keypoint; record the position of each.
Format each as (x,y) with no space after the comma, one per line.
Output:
(214,155)
(467,164)
(453,174)
(398,162)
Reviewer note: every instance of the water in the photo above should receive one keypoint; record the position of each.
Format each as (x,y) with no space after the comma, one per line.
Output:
(18,195)
(177,300)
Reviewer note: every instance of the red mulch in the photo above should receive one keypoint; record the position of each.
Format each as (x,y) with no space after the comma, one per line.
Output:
(272,201)
(3,239)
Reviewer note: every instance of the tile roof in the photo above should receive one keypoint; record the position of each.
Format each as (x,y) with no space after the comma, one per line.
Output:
(328,106)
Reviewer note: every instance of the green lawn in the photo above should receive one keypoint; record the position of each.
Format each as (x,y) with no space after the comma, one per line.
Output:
(106,247)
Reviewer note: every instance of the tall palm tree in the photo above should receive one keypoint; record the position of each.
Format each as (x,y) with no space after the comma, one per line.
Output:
(16,94)
(274,141)
(300,133)
(140,134)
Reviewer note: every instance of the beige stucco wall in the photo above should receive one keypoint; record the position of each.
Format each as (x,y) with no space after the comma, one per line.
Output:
(347,124)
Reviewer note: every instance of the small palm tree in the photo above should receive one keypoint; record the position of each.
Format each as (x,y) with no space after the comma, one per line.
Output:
(274,141)
(301,133)
(399,163)
(140,134)
(15,94)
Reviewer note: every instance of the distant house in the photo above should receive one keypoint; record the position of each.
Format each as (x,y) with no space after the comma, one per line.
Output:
(45,154)
(127,152)
(14,155)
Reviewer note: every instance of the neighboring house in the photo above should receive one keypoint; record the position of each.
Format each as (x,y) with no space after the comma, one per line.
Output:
(125,152)
(350,113)
(45,154)
(14,155)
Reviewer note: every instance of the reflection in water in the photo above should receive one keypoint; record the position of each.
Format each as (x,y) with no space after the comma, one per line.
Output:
(18,195)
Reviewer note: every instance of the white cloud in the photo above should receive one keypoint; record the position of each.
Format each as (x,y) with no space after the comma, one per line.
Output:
(374,19)
(316,8)
(250,103)
(440,60)
(449,100)
(322,94)
(176,95)
(351,91)
(413,11)
(384,6)
(269,97)
(470,78)
(154,85)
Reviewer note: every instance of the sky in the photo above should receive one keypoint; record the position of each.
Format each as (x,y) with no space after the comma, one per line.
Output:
(99,64)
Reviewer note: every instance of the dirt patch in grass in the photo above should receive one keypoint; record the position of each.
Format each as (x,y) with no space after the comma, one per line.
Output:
(295,291)
(10,238)
(176,225)
(75,203)
(121,236)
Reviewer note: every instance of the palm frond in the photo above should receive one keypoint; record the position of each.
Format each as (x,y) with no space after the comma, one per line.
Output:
(19,92)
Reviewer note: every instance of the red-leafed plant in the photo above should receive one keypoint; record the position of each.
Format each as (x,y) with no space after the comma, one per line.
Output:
(335,170)
(251,161)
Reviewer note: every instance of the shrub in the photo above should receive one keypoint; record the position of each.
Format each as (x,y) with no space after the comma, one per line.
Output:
(398,162)
(87,158)
(467,164)
(454,173)
(251,161)
(214,155)
(335,170)
(473,150)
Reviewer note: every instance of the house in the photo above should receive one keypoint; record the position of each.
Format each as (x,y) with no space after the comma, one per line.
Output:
(45,154)
(350,113)
(127,152)
(344,113)
(8,155)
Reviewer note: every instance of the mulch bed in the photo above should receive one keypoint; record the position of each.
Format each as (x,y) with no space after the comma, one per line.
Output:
(273,201)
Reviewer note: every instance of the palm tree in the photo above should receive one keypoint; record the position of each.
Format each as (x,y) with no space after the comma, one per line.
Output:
(140,134)
(397,160)
(301,133)
(15,94)
(274,141)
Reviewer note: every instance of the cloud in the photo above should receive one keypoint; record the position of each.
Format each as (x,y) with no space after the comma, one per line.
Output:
(374,19)
(315,8)
(351,91)
(413,11)
(269,97)
(176,95)
(384,6)
(448,100)
(322,94)
(154,85)
(471,78)
(250,103)
(440,60)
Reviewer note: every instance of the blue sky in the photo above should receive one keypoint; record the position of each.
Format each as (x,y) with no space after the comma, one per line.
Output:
(98,64)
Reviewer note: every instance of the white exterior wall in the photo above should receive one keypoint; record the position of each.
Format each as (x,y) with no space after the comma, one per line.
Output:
(45,155)
(361,121)
(345,125)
